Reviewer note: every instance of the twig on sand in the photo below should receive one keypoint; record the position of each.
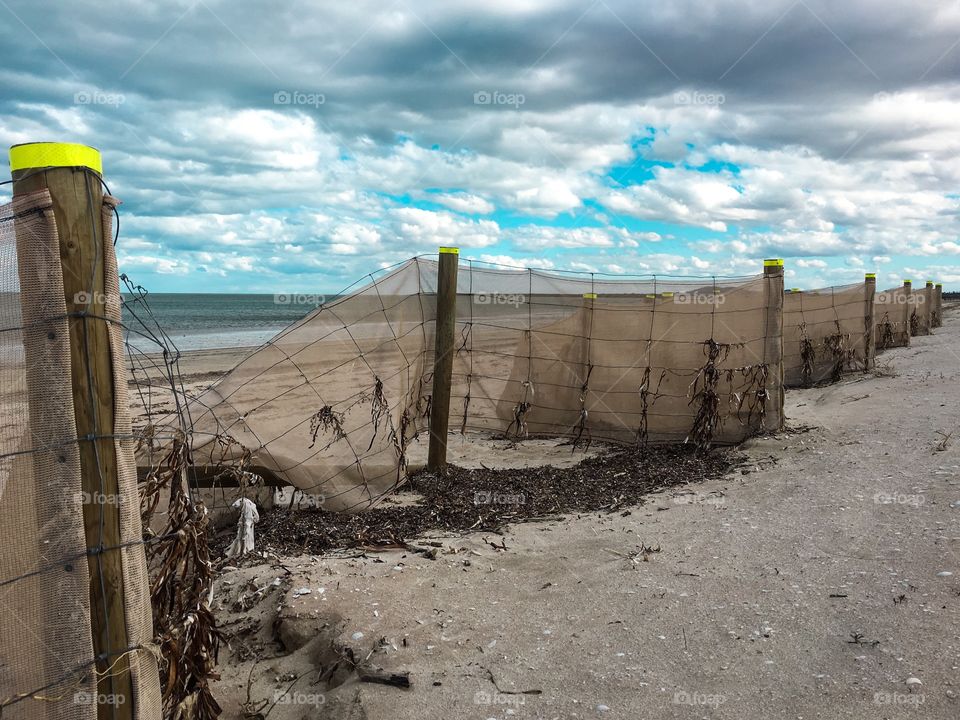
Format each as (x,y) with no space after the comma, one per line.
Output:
(508,692)
(944,442)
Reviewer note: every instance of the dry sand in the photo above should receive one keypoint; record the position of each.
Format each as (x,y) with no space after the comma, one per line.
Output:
(812,586)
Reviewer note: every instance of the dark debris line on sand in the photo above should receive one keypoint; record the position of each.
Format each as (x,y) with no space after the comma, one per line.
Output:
(465,500)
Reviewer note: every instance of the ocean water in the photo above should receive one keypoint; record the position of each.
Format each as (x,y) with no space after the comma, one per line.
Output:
(202,321)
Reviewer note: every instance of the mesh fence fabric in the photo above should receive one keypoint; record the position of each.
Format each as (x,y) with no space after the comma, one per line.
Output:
(48,668)
(332,404)
(920,311)
(891,313)
(826,332)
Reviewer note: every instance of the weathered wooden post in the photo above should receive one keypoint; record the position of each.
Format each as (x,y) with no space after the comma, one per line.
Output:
(869,347)
(773,342)
(929,294)
(443,357)
(120,620)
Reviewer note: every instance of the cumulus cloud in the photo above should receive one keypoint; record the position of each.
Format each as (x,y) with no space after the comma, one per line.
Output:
(302,147)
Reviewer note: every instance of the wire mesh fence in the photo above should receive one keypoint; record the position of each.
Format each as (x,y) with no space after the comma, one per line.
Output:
(892,317)
(826,333)
(334,404)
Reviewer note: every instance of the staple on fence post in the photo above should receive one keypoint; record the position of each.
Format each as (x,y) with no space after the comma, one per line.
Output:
(71,174)
(869,347)
(443,357)
(773,342)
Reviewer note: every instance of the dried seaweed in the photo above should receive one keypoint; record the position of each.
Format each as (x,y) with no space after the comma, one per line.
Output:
(471,500)
(324,420)
(379,408)
(181,581)
(841,355)
(885,337)
(703,394)
(808,356)
(914,323)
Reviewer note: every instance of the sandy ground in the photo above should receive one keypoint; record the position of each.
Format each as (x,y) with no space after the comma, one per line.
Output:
(811,586)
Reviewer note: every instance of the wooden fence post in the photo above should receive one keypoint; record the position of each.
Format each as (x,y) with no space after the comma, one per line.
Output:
(71,173)
(869,321)
(910,308)
(443,358)
(929,302)
(773,342)
(938,305)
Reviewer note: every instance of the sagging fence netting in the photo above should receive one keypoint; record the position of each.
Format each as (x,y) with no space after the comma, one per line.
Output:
(333,404)
(826,333)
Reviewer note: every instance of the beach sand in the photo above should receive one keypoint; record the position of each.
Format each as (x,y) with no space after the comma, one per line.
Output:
(811,583)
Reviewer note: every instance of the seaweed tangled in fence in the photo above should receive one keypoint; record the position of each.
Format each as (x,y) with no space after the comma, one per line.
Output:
(885,338)
(842,356)
(326,419)
(182,579)
(704,395)
(808,356)
(914,323)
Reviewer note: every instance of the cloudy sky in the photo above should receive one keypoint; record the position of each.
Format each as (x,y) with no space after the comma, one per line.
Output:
(296,146)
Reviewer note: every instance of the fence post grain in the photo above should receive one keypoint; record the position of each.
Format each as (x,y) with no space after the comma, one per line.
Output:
(443,358)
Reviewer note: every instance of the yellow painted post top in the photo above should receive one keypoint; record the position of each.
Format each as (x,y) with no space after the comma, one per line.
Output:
(649,296)
(773,262)
(870,276)
(795,290)
(590,296)
(929,283)
(449,251)
(53,154)
(939,285)
(908,282)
